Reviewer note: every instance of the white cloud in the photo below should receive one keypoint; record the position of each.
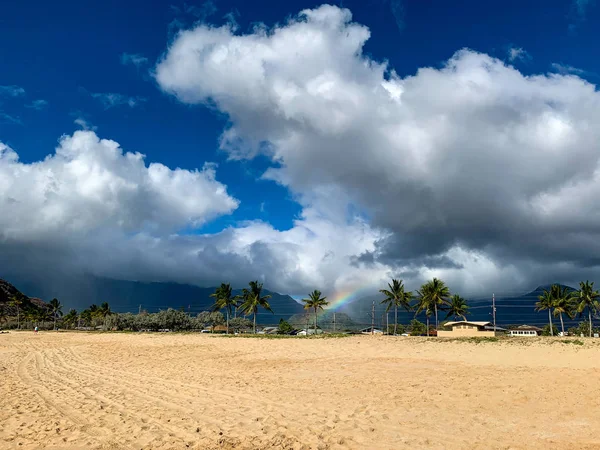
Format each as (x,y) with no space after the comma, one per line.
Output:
(565,69)
(472,158)
(90,185)
(111,100)
(11,91)
(84,124)
(37,104)
(518,54)
(134,59)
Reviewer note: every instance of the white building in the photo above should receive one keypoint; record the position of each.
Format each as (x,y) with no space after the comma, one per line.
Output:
(525,331)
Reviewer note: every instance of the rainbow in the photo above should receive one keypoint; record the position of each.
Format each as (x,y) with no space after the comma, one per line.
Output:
(346,296)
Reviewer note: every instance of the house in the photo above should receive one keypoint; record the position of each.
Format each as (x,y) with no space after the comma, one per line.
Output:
(464,328)
(525,330)
(370,330)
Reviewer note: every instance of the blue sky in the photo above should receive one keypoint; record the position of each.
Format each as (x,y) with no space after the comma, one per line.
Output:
(63,52)
(94,62)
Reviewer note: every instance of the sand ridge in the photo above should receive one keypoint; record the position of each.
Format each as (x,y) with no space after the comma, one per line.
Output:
(172,391)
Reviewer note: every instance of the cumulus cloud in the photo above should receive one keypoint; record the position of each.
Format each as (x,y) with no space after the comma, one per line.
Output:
(470,161)
(89,185)
(111,100)
(134,59)
(93,207)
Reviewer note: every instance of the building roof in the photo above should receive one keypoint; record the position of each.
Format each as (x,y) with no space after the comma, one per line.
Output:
(466,322)
(491,328)
(527,328)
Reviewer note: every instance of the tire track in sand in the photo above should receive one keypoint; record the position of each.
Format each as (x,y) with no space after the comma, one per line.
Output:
(110,404)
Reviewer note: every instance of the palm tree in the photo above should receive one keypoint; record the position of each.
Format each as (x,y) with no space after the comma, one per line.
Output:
(563,303)
(87,317)
(56,309)
(435,293)
(104,311)
(252,299)
(587,298)
(424,305)
(70,318)
(224,298)
(316,302)
(17,301)
(396,296)
(30,315)
(94,313)
(546,301)
(458,307)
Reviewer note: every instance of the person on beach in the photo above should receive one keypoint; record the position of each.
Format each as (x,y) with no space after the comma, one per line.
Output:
(35,329)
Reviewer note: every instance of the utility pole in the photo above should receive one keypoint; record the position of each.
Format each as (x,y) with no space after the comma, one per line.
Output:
(334,322)
(373,318)
(494,310)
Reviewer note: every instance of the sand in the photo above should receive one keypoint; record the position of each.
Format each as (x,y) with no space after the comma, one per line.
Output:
(172,391)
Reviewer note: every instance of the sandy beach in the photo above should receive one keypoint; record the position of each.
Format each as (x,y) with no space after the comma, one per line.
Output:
(168,391)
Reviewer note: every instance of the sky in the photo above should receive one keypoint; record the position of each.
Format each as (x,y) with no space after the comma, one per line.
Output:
(306,145)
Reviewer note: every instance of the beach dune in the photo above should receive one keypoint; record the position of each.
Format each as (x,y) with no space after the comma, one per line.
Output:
(175,391)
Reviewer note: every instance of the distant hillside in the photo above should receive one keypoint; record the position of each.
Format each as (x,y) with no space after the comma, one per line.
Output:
(8,292)
(515,310)
(326,320)
(509,310)
(128,296)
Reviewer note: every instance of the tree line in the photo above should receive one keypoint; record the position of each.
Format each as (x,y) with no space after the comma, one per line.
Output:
(432,298)
(560,301)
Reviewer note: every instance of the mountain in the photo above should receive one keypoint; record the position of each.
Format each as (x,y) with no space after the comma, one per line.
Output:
(79,292)
(509,310)
(516,310)
(326,320)
(8,292)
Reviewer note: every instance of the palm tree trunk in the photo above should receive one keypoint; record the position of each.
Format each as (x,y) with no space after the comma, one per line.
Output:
(54,320)
(254,322)
(550,318)
(436,315)
(227,321)
(562,325)
(18,318)
(395,319)
(427,326)
(590,317)
(316,318)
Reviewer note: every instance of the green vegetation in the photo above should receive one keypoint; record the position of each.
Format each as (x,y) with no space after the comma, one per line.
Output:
(546,301)
(224,299)
(396,296)
(284,327)
(252,299)
(547,331)
(316,302)
(418,328)
(56,310)
(433,296)
(587,299)
(457,307)
(16,302)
